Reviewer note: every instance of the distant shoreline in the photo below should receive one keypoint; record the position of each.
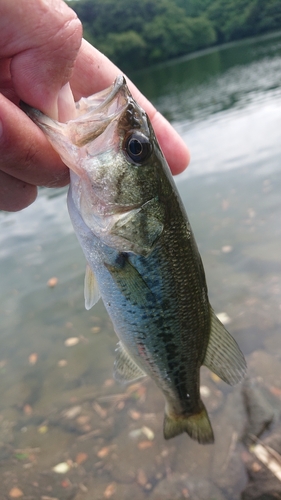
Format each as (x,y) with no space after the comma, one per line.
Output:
(208,50)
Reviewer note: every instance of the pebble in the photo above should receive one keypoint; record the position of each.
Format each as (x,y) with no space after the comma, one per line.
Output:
(33,358)
(110,490)
(141,477)
(62,363)
(52,282)
(103,452)
(143,445)
(15,493)
(72,413)
(227,249)
(148,433)
(61,468)
(83,420)
(27,410)
(81,457)
(48,498)
(135,415)
(43,429)
(71,341)
(109,382)
(102,413)
(95,329)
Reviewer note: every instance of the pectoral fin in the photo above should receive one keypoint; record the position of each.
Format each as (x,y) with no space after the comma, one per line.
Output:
(131,284)
(223,356)
(91,290)
(125,369)
(141,227)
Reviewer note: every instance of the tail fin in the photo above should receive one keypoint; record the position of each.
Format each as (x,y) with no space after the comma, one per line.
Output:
(197,426)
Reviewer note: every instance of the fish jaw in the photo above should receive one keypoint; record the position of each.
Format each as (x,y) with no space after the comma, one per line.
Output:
(91,117)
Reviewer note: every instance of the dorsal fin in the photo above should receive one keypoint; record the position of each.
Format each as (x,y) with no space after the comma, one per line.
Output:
(223,356)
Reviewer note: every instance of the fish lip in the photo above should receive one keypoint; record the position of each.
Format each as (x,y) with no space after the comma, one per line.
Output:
(120,83)
(93,115)
(107,96)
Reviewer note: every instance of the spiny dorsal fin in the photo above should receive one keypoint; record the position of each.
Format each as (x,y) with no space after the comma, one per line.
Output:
(223,356)
(125,369)
(91,290)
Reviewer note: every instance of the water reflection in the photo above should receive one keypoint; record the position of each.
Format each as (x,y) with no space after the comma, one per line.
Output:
(195,88)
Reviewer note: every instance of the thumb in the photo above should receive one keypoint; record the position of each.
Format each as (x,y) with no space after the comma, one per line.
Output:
(43,40)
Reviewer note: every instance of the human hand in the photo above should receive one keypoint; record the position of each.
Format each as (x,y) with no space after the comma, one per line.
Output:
(40,52)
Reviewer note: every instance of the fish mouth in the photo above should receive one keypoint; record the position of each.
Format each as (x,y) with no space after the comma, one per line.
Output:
(93,114)
(101,101)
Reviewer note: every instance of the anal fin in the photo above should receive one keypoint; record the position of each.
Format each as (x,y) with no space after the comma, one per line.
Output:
(223,356)
(125,369)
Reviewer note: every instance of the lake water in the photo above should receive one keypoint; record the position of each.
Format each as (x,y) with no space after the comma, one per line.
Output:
(58,402)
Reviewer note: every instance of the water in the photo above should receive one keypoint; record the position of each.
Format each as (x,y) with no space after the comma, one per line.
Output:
(58,402)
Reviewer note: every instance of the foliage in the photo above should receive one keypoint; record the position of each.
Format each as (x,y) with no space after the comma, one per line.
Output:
(138,33)
(194,8)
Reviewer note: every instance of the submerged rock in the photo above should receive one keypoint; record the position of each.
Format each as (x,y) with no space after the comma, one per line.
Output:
(265,478)
(181,486)
(260,413)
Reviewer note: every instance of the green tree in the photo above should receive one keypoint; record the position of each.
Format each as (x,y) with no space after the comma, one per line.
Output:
(127,49)
(170,36)
(138,33)
(237,19)
(194,8)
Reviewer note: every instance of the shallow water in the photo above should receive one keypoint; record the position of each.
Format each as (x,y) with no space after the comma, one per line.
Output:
(58,402)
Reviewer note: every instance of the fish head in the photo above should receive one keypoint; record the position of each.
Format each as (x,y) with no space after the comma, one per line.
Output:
(115,163)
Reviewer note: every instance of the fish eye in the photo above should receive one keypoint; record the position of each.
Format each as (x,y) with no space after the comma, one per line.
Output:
(137,147)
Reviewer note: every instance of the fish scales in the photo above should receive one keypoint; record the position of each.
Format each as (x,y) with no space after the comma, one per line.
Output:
(142,258)
(159,325)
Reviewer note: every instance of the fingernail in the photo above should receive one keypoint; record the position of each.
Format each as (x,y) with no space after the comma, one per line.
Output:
(66,104)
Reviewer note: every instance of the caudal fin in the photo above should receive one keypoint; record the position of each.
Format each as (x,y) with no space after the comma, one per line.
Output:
(197,426)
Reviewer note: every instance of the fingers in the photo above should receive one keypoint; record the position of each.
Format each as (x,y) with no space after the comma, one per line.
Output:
(25,152)
(35,67)
(15,194)
(98,73)
(42,40)
(175,150)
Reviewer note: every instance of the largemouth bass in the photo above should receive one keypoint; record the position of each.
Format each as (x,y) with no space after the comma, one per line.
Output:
(142,257)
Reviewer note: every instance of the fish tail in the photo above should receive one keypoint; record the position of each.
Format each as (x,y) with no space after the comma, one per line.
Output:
(197,426)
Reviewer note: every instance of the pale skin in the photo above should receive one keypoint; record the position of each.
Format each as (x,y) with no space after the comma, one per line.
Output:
(45,62)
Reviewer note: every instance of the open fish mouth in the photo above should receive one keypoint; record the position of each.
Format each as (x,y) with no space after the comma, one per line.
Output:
(104,102)
(93,133)
(93,114)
